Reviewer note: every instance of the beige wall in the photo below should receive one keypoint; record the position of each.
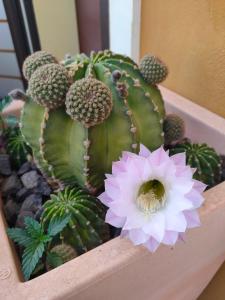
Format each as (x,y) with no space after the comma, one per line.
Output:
(189,35)
(57,25)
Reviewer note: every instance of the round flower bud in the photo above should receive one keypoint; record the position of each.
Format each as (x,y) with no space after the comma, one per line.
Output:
(89,101)
(153,69)
(48,85)
(36,60)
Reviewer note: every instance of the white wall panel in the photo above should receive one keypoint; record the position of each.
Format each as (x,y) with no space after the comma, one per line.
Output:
(2,11)
(8,64)
(6,85)
(5,37)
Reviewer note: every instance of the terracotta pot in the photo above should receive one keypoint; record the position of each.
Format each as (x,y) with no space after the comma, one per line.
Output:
(118,270)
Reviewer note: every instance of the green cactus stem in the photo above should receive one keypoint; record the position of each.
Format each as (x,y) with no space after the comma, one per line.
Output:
(80,147)
(153,69)
(174,129)
(36,60)
(202,157)
(86,228)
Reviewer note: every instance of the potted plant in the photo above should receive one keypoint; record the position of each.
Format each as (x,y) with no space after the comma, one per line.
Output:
(116,269)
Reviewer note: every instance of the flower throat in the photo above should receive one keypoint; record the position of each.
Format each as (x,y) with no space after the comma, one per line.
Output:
(151,196)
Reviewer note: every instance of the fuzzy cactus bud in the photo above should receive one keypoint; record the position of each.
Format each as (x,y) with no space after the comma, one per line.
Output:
(89,101)
(174,129)
(153,69)
(36,60)
(48,85)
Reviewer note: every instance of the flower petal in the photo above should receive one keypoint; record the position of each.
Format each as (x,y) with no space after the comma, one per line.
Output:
(156,227)
(144,151)
(151,244)
(137,236)
(105,199)
(170,237)
(192,218)
(176,222)
(114,220)
(179,159)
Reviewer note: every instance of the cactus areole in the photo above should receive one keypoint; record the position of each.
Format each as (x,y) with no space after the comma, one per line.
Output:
(108,108)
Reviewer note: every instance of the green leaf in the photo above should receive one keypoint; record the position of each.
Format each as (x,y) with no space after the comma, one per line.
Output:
(56,225)
(5,102)
(19,236)
(54,260)
(31,257)
(11,121)
(33,228)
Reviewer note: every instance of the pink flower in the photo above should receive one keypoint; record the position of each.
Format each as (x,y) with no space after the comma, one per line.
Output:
(152,197)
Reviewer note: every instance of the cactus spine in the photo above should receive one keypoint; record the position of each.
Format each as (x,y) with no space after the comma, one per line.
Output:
(80,150)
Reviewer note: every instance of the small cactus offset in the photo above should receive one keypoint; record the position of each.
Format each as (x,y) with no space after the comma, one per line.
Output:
(153,69)
(202,157)
(48,85)
(36,60)
(84,112)
(59,255)
(174,129)
(89,101)
(86,228)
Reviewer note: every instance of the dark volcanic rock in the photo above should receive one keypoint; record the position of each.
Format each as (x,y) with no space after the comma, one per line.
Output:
(22,194)
(11,185)
(26,167)
(39,213)
(11,209)
(43,188)
(30,179)
(32,203)
(5,167)
(22,215)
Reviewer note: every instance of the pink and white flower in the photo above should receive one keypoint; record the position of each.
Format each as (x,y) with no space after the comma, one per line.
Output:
(152,197)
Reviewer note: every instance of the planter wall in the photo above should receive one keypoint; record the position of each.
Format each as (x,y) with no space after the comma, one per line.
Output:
(118,270)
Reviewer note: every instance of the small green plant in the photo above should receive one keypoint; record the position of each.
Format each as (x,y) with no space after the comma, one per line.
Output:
(16,146)
(4,102)
(59,255)
(36,241)
(86,228)
(202,157)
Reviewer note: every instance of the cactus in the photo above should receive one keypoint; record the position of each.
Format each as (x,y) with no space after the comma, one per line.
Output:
(174,129)
(16,147)
(205,159)
(86,228)
(153,69)
(79,143)
(48,85)
(89,101)
(59,255)
(36,60)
